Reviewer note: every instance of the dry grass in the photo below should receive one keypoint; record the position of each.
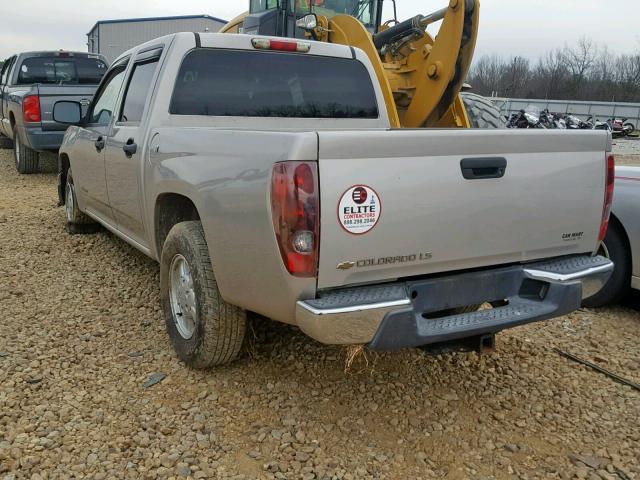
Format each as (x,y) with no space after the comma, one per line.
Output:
(357,359)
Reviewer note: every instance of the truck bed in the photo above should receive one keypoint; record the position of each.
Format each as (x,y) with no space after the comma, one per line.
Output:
(50,94)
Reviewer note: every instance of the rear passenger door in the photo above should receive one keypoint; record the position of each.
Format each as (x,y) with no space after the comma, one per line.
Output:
(126,144)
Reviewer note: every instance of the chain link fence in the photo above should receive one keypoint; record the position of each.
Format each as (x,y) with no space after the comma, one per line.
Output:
(599,110)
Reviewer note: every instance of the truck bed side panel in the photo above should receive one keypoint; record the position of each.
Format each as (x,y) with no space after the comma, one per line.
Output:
(227,175)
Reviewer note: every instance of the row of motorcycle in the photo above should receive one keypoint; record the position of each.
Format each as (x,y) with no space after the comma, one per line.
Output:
(532,117)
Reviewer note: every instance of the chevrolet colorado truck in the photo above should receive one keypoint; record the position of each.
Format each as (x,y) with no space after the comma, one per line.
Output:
(30,84)
(263,176)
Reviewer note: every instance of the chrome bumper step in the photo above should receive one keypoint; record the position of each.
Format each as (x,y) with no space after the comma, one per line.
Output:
(399,315)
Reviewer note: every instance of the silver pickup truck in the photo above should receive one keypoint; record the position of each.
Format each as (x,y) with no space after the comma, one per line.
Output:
(30,84)
(263,176)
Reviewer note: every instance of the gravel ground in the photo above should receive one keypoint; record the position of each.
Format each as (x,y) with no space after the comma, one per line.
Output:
(627,146)
(82,333)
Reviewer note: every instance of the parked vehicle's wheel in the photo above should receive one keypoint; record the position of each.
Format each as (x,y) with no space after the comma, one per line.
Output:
(615,248)
(5,143)
(482,112)
(77,222)
(27,159)
(204,329)
(629,127)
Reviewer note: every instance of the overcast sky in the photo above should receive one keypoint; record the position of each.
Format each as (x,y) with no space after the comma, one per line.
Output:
(508,27)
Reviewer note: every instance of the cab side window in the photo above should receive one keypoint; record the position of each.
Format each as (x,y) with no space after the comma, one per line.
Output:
(106,100)
(6,68)
(140,86)
(3,72)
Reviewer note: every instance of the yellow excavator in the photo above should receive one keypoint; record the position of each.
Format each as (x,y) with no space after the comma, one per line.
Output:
(421,76)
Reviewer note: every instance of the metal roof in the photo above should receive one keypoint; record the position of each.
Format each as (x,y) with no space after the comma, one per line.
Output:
(154,19)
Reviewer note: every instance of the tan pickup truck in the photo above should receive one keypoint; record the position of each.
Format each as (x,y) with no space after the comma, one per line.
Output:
(259,187)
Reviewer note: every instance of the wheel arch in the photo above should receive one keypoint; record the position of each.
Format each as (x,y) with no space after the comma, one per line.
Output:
(13,128)
(625,235)
(63,170)
(170,209)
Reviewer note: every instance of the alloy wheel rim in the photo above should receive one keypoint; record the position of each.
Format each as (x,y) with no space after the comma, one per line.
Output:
(69,203)
(18,149)
(182,297)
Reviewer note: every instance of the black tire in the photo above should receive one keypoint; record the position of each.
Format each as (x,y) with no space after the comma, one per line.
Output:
(27,159)
(78,223)
(617,249)
(205,330)
(482,112)
(630,127)
(5,143)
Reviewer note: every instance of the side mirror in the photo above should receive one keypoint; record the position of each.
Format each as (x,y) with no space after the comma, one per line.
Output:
(67,112)
(308,22)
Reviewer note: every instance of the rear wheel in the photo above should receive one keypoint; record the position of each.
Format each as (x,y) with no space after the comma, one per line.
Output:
(482,112)
(205,330)
(616,249)
(77,222)
(27,159)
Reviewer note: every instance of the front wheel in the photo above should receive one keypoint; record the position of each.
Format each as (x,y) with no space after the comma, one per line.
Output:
(616,249)
(77,221)
(205,330)
(629,127)
(27,159)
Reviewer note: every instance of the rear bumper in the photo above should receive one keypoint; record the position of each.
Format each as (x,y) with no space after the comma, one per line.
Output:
(41,140)
(409,314)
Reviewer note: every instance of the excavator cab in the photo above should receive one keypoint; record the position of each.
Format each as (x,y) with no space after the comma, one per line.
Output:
(279,17)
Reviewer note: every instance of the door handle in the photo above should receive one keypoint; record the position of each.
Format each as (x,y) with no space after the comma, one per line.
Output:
(99,143)
(483,168)
(130,148)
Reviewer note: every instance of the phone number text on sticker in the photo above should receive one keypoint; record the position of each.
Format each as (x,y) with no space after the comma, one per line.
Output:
(359,209)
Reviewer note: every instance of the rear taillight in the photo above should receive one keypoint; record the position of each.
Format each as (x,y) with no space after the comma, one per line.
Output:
(295,206)
(31,109)
(608,196)
(280,45)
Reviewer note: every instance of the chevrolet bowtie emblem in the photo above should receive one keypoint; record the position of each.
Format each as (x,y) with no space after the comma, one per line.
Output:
(346,265)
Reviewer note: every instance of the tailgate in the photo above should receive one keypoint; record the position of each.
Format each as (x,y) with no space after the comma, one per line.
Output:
(50,94)
(397,204)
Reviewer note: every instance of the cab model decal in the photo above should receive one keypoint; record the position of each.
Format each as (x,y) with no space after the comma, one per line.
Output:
(359,209)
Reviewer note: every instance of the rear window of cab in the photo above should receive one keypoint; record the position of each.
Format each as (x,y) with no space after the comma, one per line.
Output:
(240,83)
(66,70)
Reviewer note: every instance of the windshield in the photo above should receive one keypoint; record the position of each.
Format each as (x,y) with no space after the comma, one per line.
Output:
(533,110)
(364,10)
(61,70)
(258,6)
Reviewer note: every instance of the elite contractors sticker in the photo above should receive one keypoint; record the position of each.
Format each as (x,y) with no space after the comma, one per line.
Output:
(359,209)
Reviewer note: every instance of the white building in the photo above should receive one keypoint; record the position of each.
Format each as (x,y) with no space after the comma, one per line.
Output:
(113,37)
